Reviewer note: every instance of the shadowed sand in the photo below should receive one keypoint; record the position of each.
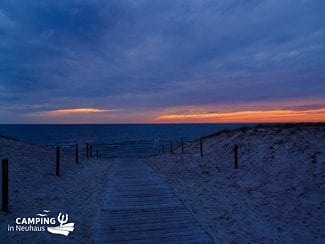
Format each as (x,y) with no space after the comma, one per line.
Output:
(33,186)
(275,196)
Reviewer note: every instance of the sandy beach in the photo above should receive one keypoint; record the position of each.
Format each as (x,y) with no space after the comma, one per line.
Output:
(33,185)
(275,196)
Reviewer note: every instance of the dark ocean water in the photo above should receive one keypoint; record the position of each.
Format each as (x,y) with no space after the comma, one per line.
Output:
(113,140)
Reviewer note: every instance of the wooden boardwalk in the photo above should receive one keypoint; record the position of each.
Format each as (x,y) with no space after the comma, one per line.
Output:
(141,208)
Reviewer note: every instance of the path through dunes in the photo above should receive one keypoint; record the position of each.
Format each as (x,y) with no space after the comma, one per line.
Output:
(141,208)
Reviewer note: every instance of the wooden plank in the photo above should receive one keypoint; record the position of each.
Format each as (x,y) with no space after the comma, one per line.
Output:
(116,219)
(141,208)
(154,236)
(5,185)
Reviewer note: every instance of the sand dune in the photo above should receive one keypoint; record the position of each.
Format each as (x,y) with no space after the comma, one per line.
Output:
(275,196)
(34,186)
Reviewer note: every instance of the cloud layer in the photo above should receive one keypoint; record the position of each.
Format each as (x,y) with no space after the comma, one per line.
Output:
(140,57)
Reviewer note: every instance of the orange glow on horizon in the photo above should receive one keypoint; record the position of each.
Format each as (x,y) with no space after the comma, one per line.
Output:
(311,115)
(75,111)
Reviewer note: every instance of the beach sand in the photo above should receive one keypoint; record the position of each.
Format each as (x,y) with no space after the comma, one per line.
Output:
(277,195)
(78,191)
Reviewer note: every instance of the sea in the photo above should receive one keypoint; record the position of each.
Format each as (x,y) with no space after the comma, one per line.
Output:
(114,140)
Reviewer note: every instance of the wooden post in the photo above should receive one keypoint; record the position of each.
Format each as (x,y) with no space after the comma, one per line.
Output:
(97,154)
(163,149)
(87,149)
(171,147)
(91,150)
(77,154)
(57,161)
(236,156)
(201,146)
(182,145)
(5,185)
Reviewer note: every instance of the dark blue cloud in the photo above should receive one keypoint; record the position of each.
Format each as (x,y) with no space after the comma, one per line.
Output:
(155,54)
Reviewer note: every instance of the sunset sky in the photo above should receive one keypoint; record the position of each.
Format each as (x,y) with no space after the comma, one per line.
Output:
(162,61)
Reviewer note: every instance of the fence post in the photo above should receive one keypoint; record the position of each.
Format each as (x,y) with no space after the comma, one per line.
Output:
(87,149)
(182,144)
(91,150)
(77,154)
(171,147)
(236,156)
(163,149)
(97,154)
(201,146)
(57,161)
(5,185)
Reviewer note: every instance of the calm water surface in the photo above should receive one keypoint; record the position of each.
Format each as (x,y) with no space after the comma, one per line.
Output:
(113,140)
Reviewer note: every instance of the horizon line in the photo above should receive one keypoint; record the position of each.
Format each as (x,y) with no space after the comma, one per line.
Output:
(172,123)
